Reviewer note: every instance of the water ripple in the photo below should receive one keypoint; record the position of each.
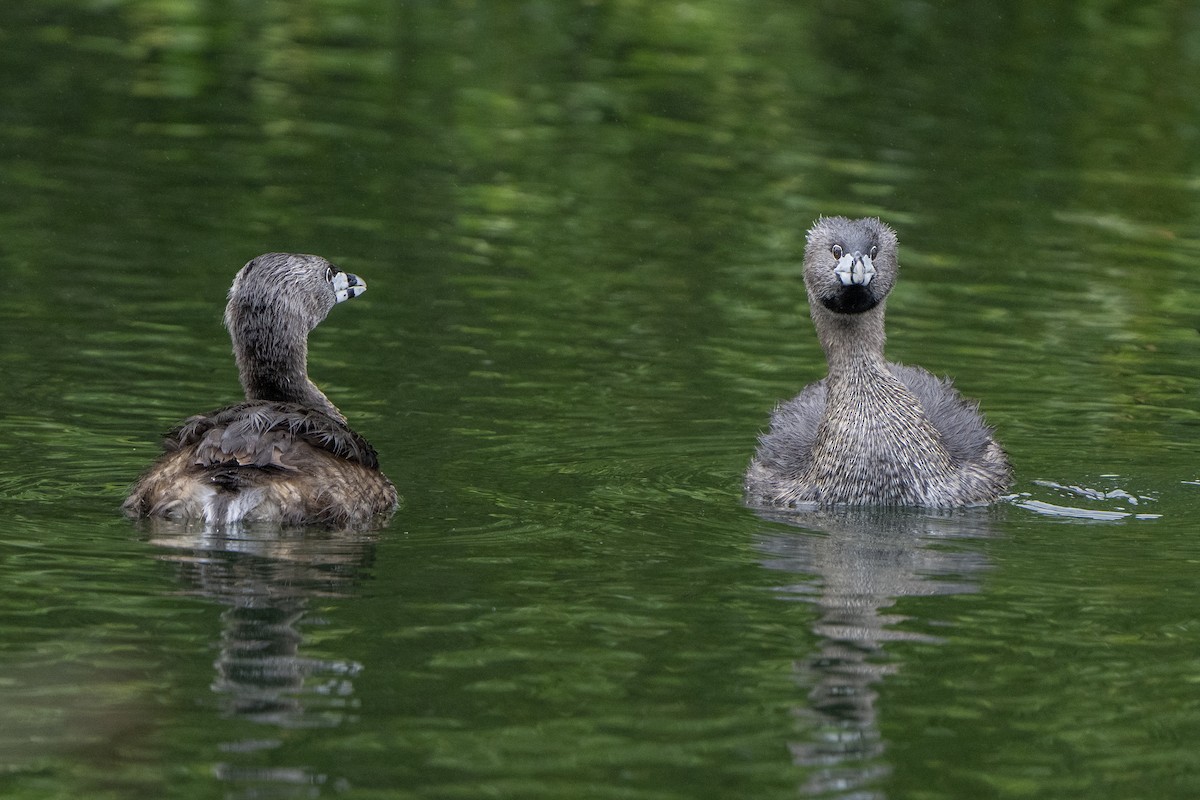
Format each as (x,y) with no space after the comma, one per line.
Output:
(1113,504)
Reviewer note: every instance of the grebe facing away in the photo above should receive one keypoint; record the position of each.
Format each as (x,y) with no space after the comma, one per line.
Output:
(286,455)
(871,432)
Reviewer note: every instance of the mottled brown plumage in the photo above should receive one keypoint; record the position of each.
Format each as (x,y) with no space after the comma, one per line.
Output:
(872,432)
(286,455)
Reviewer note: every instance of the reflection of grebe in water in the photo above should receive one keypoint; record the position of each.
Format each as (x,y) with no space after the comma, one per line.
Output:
(268,579)
(857,565)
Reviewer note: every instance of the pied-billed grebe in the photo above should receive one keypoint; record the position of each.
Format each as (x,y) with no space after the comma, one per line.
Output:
(872,432)
(285,455)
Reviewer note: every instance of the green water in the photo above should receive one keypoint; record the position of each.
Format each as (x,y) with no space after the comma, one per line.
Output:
(581,225)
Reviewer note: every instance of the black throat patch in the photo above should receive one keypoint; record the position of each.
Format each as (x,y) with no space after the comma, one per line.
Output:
(851,300)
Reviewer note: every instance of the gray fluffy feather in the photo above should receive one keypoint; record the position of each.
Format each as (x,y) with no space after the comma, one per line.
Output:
(872,432)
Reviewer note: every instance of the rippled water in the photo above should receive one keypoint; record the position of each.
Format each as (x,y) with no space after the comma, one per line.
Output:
(581,225)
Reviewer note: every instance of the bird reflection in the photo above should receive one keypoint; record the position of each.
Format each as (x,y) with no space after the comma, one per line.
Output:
(267,578)
(854,565)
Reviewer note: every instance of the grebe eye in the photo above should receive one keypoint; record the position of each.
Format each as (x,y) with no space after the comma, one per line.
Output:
(837,251)
(874,252)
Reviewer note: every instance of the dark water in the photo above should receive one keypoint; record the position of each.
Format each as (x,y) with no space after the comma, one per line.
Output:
(581,225)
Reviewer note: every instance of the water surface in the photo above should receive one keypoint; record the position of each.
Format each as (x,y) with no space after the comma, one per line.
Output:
(581,224)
